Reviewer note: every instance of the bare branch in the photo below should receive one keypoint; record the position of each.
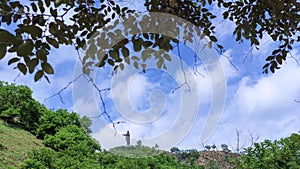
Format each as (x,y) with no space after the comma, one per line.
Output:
(195,67)
(184,74)
(228,59)
(292,56)
(17,76)
(61,90)
(250,53)
(252,138)
(104,112)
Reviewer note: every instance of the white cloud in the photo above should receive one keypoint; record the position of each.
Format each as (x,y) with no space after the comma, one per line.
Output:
(265,106)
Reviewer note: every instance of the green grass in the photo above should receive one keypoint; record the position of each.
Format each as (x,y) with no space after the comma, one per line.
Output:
(15,143)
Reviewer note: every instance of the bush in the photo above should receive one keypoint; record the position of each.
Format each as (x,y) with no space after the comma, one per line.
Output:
(283,153)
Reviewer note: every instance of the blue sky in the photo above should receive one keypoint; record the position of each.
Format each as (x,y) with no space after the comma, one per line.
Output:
(255,102)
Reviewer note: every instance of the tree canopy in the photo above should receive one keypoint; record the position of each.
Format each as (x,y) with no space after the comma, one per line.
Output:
(30,30)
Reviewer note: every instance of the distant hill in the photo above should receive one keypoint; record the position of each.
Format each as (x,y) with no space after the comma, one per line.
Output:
(15,143)
(207,159)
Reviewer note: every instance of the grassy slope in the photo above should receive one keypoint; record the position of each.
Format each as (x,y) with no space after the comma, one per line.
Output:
(15,143)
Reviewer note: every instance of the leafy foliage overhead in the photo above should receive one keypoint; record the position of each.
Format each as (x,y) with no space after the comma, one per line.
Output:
(34,29)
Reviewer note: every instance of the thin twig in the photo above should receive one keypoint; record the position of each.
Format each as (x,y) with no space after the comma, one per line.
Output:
(104,112)
(184,75)
(195,66)
(61,90)
(228,58)
(15,79)
(292,56)
(250,53)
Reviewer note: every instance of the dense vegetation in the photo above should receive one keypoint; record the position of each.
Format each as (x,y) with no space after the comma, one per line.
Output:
(64,142)
(43,25)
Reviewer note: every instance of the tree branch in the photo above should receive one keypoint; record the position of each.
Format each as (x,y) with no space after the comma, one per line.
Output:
(184,75)
(61,90)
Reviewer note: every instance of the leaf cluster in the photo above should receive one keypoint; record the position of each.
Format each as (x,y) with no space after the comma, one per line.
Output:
(44,25)
(255,20)
(283,153)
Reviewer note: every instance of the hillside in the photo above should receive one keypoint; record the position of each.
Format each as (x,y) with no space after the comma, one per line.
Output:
(217,159)
(15,143)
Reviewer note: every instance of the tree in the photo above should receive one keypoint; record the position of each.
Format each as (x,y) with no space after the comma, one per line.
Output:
(175,150)
(283,153)
(225,148)
(74,137)
(214,147)
(33,30)
(18,106)
(139,143)
(52,121)
(86,123)
(208,147)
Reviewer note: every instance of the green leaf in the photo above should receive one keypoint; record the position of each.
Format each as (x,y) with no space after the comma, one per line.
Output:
(41,6)
(34,7)
(146,44)
(47,68)
(41,54)
(32,64)
(121,65)
(6,38)
(279,59)
(225,15)
(38,75)
(266,65)
(25,49)
(276,51)
(47,3)
(212,38)
(269,58)
(3,49)
(53,42)
(136,65)
(111,62)
(114,53)
(34,31)
(53,12)
(53,27)
(125,52)
(254,41)
(159,63)
(13,60)
(272,68)
(137,44)
(22,68)
(167,57)
(146,54)
(57,3)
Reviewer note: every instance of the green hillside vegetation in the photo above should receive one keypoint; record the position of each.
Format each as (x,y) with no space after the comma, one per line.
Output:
(15,143)
(33,137)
